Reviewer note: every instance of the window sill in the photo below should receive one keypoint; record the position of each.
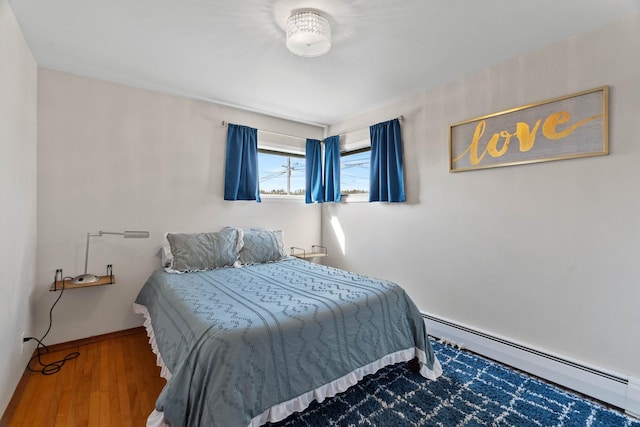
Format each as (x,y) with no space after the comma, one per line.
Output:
(279,198)
(355,198)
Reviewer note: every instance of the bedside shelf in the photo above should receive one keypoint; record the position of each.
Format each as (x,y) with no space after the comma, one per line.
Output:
(57,285)
(316,251)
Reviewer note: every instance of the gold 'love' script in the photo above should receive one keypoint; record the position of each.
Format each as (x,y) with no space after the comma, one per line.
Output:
(562,128)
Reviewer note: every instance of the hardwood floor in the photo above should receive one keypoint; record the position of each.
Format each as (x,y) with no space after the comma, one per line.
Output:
(114,382)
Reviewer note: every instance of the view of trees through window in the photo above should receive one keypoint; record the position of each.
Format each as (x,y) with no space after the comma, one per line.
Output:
(354,172)
(284,174)
(281,174)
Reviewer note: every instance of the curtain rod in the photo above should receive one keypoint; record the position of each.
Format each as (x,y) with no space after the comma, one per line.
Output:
(225,123)
(400,118)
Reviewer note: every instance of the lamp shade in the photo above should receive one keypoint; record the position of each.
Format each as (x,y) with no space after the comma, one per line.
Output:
(308,33)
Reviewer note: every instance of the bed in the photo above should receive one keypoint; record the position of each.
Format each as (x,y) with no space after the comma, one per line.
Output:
(247,343)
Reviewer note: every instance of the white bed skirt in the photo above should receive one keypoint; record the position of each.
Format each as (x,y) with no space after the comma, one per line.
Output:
(282,410)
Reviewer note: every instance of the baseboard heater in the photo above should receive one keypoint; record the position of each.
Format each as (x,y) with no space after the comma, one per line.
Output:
(604,385)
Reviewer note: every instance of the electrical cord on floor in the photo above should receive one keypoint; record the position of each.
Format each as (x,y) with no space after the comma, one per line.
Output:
(52,367)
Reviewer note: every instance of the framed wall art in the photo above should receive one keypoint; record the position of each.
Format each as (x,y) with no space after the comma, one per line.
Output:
(562,128)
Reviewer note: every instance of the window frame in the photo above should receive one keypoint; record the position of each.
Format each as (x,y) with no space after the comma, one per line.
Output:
(282,153)
(346,197)
(354,197)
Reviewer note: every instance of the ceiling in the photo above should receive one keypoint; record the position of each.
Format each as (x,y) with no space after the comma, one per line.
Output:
(233,52)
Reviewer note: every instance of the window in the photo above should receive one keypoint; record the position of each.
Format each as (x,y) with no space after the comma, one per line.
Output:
(282,170)
(281,173)
(354,171)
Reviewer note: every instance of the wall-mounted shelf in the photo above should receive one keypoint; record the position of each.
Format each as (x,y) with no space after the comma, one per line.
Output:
(316,251)
(59,283)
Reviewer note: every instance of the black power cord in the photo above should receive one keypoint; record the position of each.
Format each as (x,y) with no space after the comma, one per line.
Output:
(52,367)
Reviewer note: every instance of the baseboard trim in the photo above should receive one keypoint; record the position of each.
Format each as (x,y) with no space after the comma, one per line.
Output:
(621,391)
(91,340)
(22,383)
(633,397)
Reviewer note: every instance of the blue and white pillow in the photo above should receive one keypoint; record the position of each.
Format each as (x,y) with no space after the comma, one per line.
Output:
(260,246)
(202,251)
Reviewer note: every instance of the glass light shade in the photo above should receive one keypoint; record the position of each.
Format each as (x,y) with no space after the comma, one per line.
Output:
(308,34)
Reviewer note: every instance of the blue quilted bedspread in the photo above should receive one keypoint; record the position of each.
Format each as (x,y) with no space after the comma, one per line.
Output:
(239,341)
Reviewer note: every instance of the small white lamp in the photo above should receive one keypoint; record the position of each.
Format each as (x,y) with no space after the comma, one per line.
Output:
(90,278)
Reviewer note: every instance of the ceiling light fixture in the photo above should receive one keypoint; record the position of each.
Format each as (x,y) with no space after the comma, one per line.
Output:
(308,33)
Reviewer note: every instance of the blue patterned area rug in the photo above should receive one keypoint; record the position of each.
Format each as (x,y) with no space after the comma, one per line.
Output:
(473,391)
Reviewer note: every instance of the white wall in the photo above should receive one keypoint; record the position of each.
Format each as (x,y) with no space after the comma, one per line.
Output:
(18,97)
(115,158)
(545,254)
